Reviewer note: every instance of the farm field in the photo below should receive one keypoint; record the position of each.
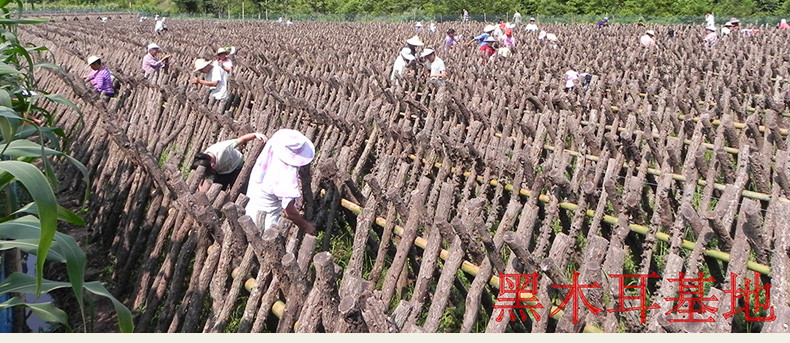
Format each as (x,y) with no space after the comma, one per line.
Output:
(673,161)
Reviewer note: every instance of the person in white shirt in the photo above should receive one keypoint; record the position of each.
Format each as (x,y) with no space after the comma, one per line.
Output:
(432,27)
(223,161)
(709,20)
(517,18)
(725,30)
(160,27)
(648,39)
(216,79)
(711,38)
(435,64)
(531,26)
(405,57)
(571,76)
(274,180)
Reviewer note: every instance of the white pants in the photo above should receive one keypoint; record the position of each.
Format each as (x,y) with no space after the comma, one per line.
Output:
(270,204)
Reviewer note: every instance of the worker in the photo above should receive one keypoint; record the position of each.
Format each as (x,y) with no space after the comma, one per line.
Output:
(449,40)
(507,39)
(725,30)
(531,27)
(603,22)
(709,20)
(406,57)
(215,78)
(711,37)
(783,24)
(223,161)
(151,62)
(517,18)
(222,59)
(481,39)
(160,26)
(488,50)
(648,39)
(274,180)
(100,77)
(435,65)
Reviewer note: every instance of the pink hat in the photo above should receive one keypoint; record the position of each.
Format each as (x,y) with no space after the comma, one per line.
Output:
(292,147)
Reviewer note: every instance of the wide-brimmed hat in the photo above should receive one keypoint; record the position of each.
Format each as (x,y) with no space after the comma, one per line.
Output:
(93,59)
(650,32)
(153,46)
(292,147)
(201,63)
(531,19)
(490,39)
(489,28)
(427,52)
(734,20)
(712,29)
(728,24)
(414,41)
(222,51)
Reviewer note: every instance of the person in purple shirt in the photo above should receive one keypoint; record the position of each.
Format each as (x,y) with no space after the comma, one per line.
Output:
(603,22)
(449,40)
(100,77)
(151,62)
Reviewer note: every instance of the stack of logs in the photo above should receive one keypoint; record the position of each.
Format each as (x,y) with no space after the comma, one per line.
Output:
(669,163)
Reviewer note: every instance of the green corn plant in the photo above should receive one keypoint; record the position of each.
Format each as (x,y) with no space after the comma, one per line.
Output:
(29,209)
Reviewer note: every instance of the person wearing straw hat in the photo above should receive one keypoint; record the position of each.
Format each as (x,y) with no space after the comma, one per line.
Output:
(223,61)
(725,30)
(223,161)
(531,27)
(216,79)
(100,77)
(151,62)
(735,24)
(488,50)
(274,180)
(648,39)
(406,57)
(481,39)
(435,65)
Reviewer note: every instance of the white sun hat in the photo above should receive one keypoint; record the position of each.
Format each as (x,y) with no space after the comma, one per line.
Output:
(414,41)
(221,50)
(651,32)
(426,52)
(489,28)
(201,63)
(153,46)
(292,147)
(93,59)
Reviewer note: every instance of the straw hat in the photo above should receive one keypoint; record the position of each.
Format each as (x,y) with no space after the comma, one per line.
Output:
(222,51)
(93,59)
(292,147)
(426,52)
(489,28)
(414,41)
(201,63)
(651,32)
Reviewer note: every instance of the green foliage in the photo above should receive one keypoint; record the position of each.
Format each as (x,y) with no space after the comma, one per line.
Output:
(26,146)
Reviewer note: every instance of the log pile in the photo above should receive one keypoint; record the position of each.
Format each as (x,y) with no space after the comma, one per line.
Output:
(671,162)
